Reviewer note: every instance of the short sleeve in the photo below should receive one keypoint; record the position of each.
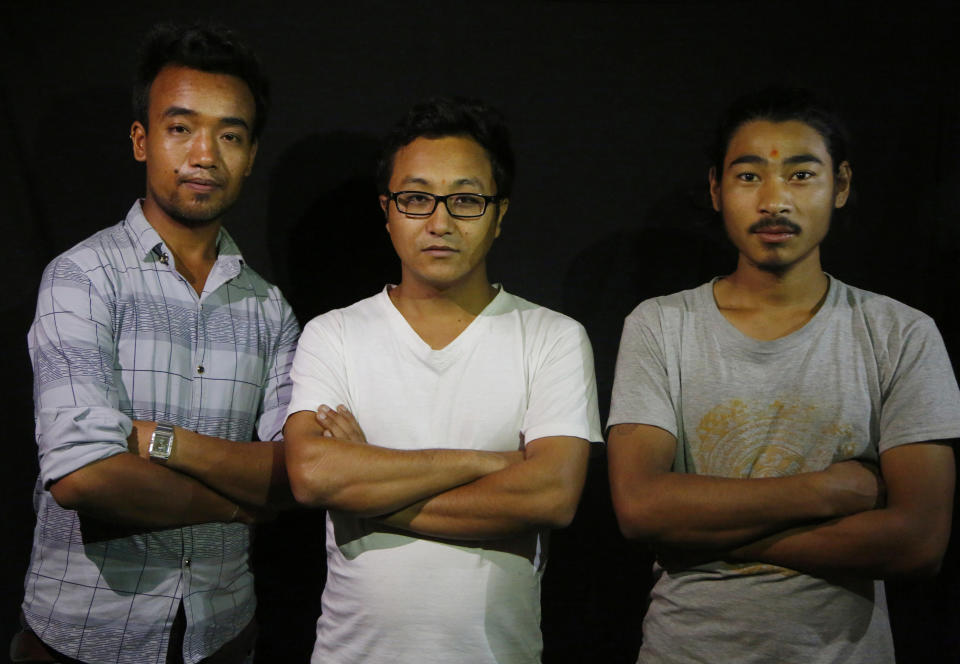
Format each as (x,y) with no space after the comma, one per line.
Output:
(319,370)
(72,350)
(563,389)
(921,401)
(641,384)
(278,388)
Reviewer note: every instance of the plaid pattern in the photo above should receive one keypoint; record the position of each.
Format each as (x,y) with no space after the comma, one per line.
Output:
(120,335)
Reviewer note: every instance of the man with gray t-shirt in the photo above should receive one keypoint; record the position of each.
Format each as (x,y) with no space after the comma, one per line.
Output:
(754,417)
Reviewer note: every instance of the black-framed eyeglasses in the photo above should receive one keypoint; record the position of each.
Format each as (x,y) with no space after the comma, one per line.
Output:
(460,205)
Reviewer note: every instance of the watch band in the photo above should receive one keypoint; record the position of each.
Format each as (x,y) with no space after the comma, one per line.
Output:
(161,442)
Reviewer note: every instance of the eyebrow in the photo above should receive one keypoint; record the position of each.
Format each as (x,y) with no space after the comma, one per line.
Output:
(423,181)
(174,111)
(230,120)
(414,180)
(794,159)
(802,159)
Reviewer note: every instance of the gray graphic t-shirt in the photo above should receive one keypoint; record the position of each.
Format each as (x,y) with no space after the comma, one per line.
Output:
(865,374)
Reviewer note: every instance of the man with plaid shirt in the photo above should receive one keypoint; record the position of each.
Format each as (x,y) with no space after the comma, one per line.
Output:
(156,352)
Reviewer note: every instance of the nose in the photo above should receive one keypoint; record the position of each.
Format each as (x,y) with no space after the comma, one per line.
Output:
(440,222)
(203,150)
(774,197)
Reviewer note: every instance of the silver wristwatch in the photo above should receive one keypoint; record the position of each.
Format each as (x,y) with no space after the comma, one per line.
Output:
(161,442)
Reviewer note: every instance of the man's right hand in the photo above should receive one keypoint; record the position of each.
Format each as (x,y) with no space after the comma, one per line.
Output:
(853,486)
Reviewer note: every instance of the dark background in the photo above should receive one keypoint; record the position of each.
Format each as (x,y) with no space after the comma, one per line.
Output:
(611,105)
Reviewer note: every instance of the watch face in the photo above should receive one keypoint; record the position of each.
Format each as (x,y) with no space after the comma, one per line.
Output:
(161,443)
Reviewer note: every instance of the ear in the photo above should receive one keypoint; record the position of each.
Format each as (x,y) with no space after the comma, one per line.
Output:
(385,206)
(384,203)
(714,188)
(138,137)
(501,213)
(841,184)
(253,156)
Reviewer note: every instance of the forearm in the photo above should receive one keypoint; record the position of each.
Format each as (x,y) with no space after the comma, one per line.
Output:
(658,506)
(907,536)
(713,512)
(369,480)
(127,490)
(488,508)
(540,492)
(877,544)
(252,473)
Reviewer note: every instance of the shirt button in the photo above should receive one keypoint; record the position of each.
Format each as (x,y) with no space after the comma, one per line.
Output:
(186,562)
(200,369)
(164,259)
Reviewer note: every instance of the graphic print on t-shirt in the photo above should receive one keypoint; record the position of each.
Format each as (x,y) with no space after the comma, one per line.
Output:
(768,438)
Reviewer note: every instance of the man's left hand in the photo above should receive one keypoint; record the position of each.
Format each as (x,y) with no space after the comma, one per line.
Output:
(340,424)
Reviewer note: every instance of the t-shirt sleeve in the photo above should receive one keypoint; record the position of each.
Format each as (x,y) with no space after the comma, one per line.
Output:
(76,399)
(641,384)
(319,373)
(921,401)
(563,388)
(278,387)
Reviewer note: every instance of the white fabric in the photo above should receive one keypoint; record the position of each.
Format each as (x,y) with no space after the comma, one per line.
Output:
(518,372)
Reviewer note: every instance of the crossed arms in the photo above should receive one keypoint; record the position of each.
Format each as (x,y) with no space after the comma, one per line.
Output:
(206,479)
(821,522)
(452,493)
(93,457)
(455,492)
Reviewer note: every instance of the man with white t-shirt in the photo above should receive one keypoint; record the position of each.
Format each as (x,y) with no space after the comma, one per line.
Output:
(748,415)
(478,407)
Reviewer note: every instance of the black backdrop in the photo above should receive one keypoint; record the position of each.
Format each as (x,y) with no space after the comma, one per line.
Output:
(611,105)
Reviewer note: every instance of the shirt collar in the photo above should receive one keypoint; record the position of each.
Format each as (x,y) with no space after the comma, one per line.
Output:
(152,246)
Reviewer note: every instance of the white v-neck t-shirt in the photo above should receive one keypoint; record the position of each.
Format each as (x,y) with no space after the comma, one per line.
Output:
(517,373)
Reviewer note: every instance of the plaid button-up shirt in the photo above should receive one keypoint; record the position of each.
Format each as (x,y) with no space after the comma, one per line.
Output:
(120,335)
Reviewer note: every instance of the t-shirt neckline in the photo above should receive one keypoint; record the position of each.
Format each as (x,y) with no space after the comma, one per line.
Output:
(730,335)
(416,343)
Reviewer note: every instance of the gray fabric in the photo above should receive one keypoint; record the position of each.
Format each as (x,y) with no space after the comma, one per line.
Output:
(865,374)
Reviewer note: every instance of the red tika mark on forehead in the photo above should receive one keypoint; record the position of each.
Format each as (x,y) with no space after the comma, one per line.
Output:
(774,153)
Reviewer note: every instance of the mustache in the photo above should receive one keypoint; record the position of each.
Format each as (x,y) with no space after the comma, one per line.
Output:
(774,222)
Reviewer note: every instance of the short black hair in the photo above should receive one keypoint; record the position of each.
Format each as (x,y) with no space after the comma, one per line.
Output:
(204,47)
(779,104)
(452,116)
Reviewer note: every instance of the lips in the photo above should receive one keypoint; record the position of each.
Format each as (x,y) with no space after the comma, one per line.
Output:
(772,236)
(439,250)
(200,184)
